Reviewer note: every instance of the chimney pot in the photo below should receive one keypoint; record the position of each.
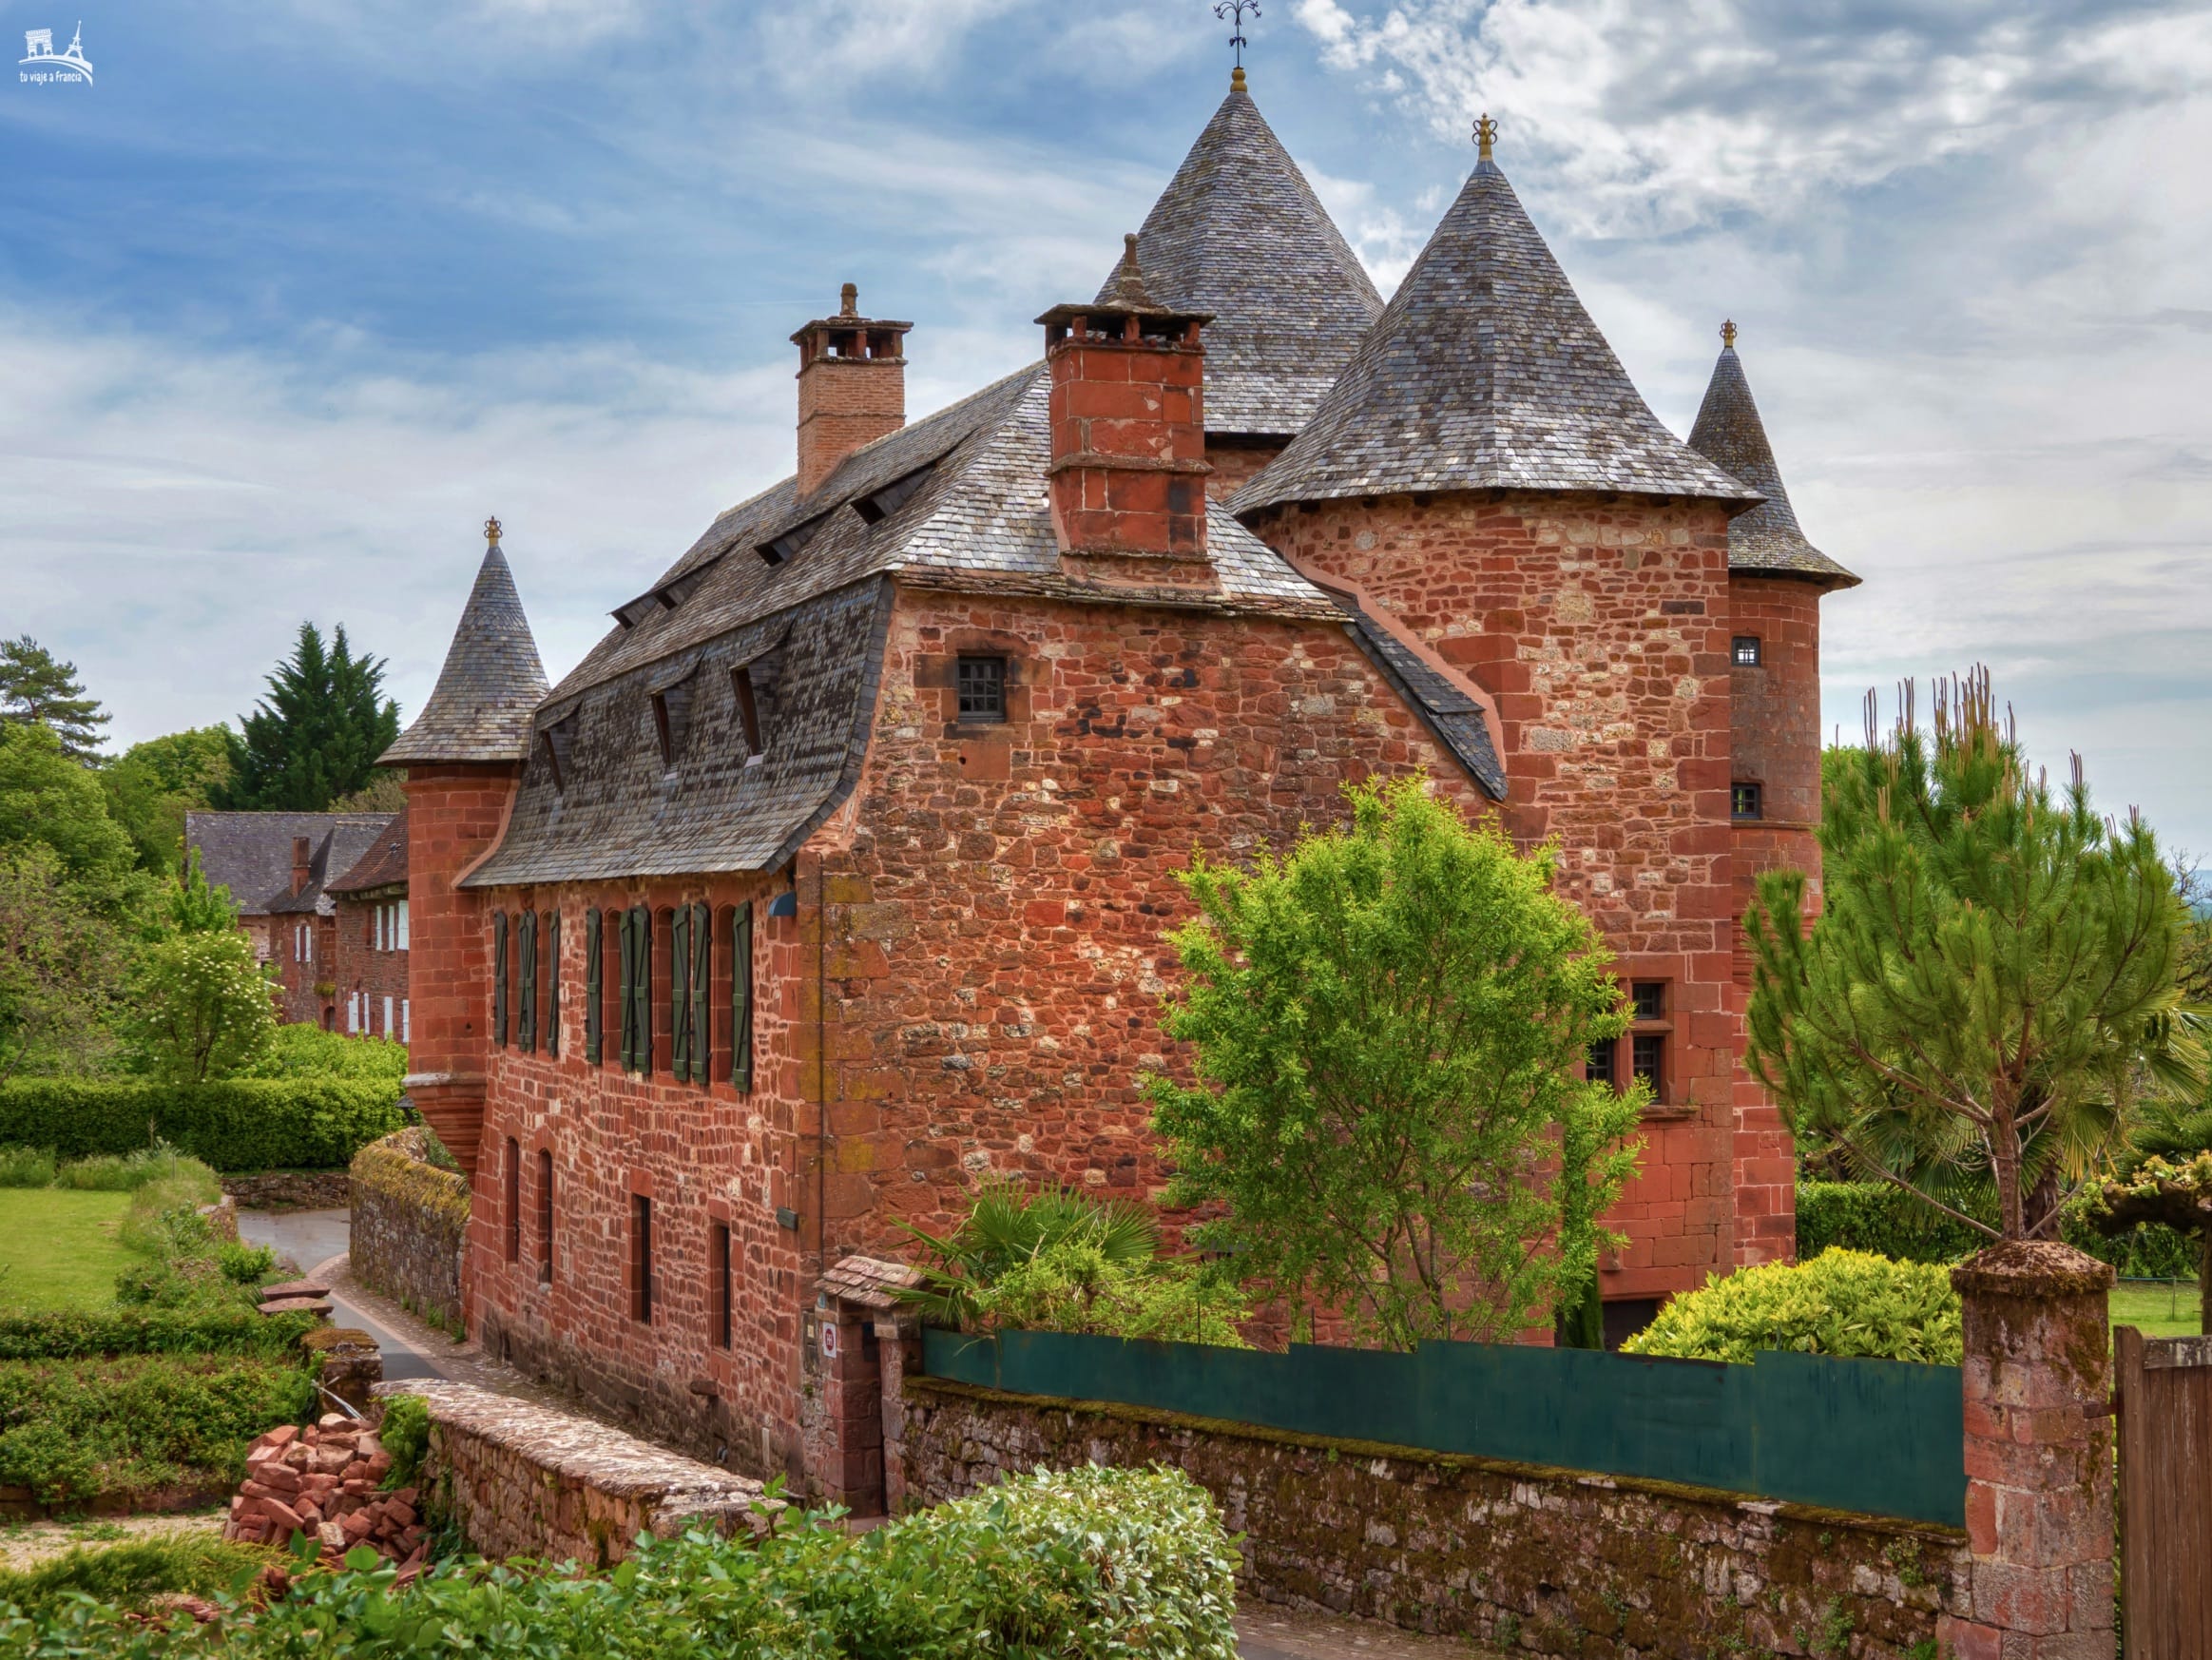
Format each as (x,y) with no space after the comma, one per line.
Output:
(851,386)
(303,863)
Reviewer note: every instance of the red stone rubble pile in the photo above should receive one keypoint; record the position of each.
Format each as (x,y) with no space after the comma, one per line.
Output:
(323,1482)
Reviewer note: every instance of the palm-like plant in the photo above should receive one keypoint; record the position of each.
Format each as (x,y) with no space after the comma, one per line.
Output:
(1009,1227)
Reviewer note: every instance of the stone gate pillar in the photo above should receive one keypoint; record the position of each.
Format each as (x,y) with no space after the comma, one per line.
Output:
(2038,1382)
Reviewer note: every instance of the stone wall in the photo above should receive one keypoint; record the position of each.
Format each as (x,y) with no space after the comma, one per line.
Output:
(410,1225)
(290,1190)
(1541,1561)
(520,1480)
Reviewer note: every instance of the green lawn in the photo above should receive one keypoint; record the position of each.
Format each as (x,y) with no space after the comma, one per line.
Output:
(58,1248)
(2156,1310)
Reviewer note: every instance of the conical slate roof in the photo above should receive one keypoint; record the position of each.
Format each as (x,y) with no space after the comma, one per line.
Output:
(491,685)
(1729,433)
(1240,233)
(1485,372)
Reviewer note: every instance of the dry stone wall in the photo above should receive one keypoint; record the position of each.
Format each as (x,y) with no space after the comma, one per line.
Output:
(410,1224)
(1539,1561)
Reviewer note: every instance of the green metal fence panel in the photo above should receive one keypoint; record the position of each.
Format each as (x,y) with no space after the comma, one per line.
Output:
(1877,1436)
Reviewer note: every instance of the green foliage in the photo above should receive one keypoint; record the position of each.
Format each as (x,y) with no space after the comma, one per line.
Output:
(201,1008)
(152,785)
(35,691)
(50,801)
(1992,977)
(63,963)
(136,1575)
(80,1430)
(128,1172)
(245,1264)
(241,1124)
(26,1166)
(1840,1303)
(298,1051)
(1075,1286)
(1889,1222)
(1008,1226)
(1389,1024)
(405,1434)
(224,1328)
(316,735)
(1089,1564)
(190,906)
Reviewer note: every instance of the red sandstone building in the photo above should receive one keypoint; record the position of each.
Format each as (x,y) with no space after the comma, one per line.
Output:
(836,876)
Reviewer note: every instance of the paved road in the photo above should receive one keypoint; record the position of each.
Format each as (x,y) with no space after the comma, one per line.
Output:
(309,1240)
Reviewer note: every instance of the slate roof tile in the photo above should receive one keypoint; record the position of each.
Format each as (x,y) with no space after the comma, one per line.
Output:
(250,853)
(1730,433)
(383,865)
(480,709)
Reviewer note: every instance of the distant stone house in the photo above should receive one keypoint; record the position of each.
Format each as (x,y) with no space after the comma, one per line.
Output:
(371,930)
(837,877)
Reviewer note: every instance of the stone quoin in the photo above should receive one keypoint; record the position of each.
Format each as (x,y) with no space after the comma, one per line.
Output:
(836,878)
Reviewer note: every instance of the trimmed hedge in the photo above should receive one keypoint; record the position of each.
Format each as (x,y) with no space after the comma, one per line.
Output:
(1887,1222)
(1840,1302)
(241,1124)
(85,1333)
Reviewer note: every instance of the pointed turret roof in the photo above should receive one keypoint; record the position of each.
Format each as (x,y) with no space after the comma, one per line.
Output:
(493,680)
(1485,372)
(1729,433)
(1240,233)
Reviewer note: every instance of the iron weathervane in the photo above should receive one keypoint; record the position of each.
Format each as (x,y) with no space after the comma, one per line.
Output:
(1234,11)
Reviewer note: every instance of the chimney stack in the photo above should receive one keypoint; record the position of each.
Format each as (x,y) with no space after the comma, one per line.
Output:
(1128,436)
(303,864)
(851,386)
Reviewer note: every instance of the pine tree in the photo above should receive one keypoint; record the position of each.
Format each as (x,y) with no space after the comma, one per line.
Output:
(316,735)
(39,691)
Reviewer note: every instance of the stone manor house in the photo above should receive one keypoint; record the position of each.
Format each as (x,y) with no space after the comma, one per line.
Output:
(835,878)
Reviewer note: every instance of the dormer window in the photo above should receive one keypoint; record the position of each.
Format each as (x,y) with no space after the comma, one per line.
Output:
(629,616)
(788,545)
(748,709)
(881,504)
(676,592)
(556,739)
(672,718)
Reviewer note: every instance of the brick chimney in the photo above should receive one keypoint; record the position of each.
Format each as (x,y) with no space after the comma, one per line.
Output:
(1128,436)
(303,864)
(851,386)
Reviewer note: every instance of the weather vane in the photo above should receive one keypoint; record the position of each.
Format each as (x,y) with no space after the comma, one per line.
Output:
(1234,11)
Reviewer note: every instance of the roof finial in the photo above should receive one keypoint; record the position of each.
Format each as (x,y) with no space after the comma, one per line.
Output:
(848,300)
(491,531)
(1728,334)
(1486,134)
(1234,11)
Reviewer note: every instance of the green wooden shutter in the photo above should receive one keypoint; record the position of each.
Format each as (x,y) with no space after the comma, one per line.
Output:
(499,979)
(701,970)
(526,978)
(741,998)
(625,996)
(553,982)
(594,986)
(641,987)
(680,1034)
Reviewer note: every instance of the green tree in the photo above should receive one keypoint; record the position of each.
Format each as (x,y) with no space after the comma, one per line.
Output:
(1388,1022)
(200,1006)
(1991,983)
(152,785)
(316,735)
(191,906)
(62,966)
(38,691)
(2165,1176)
(49,800)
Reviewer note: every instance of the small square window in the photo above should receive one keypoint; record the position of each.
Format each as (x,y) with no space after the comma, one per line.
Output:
(1746,651)
(1648,1060)
(982,688)
(1598,1065)
(1746,801)
(1650,999)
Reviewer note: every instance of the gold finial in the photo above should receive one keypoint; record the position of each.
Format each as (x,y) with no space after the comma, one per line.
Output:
(491,531)
(1486,134)
(848,300)
(1728,332)
(1237,79)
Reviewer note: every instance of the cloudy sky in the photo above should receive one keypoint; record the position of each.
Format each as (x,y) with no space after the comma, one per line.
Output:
(298,292)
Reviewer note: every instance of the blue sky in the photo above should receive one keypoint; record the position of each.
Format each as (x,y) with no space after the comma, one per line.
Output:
(295,294)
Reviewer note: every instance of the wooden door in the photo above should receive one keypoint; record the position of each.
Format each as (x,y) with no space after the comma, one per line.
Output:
(2166,1494)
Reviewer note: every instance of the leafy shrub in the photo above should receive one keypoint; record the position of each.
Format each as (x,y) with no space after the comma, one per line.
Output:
(131,1575)
(164,1220)
(405,1434)
(309,1051)
(241,1124)
(1876,1217)
(86,1429)
(198,1007)
(245,1264)
(188,1282)
(224,1328)
(1075,1286)
(1842,1303)
(27,1166)
(1085,1565)
(128,1172)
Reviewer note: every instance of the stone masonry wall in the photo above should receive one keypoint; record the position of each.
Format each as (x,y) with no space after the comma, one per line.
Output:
(521,1480)
(410,1225)
(1601,627)
(1533,1560)
(378,977)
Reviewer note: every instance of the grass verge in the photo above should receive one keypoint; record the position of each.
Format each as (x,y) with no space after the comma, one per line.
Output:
(60,1249)
(2157,1310)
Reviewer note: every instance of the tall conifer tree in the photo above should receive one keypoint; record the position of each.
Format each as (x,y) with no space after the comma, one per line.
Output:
(316,735)
(39,691)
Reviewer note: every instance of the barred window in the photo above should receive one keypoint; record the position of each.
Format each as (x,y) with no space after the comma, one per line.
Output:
(1746,651)
(1746,801)
(982,688)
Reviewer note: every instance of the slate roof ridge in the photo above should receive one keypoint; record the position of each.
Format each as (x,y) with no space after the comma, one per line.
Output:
(249,851)
(1485,372)
(490,684)
(1240,233)
(1729,433)
(382,865)
(349,839)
